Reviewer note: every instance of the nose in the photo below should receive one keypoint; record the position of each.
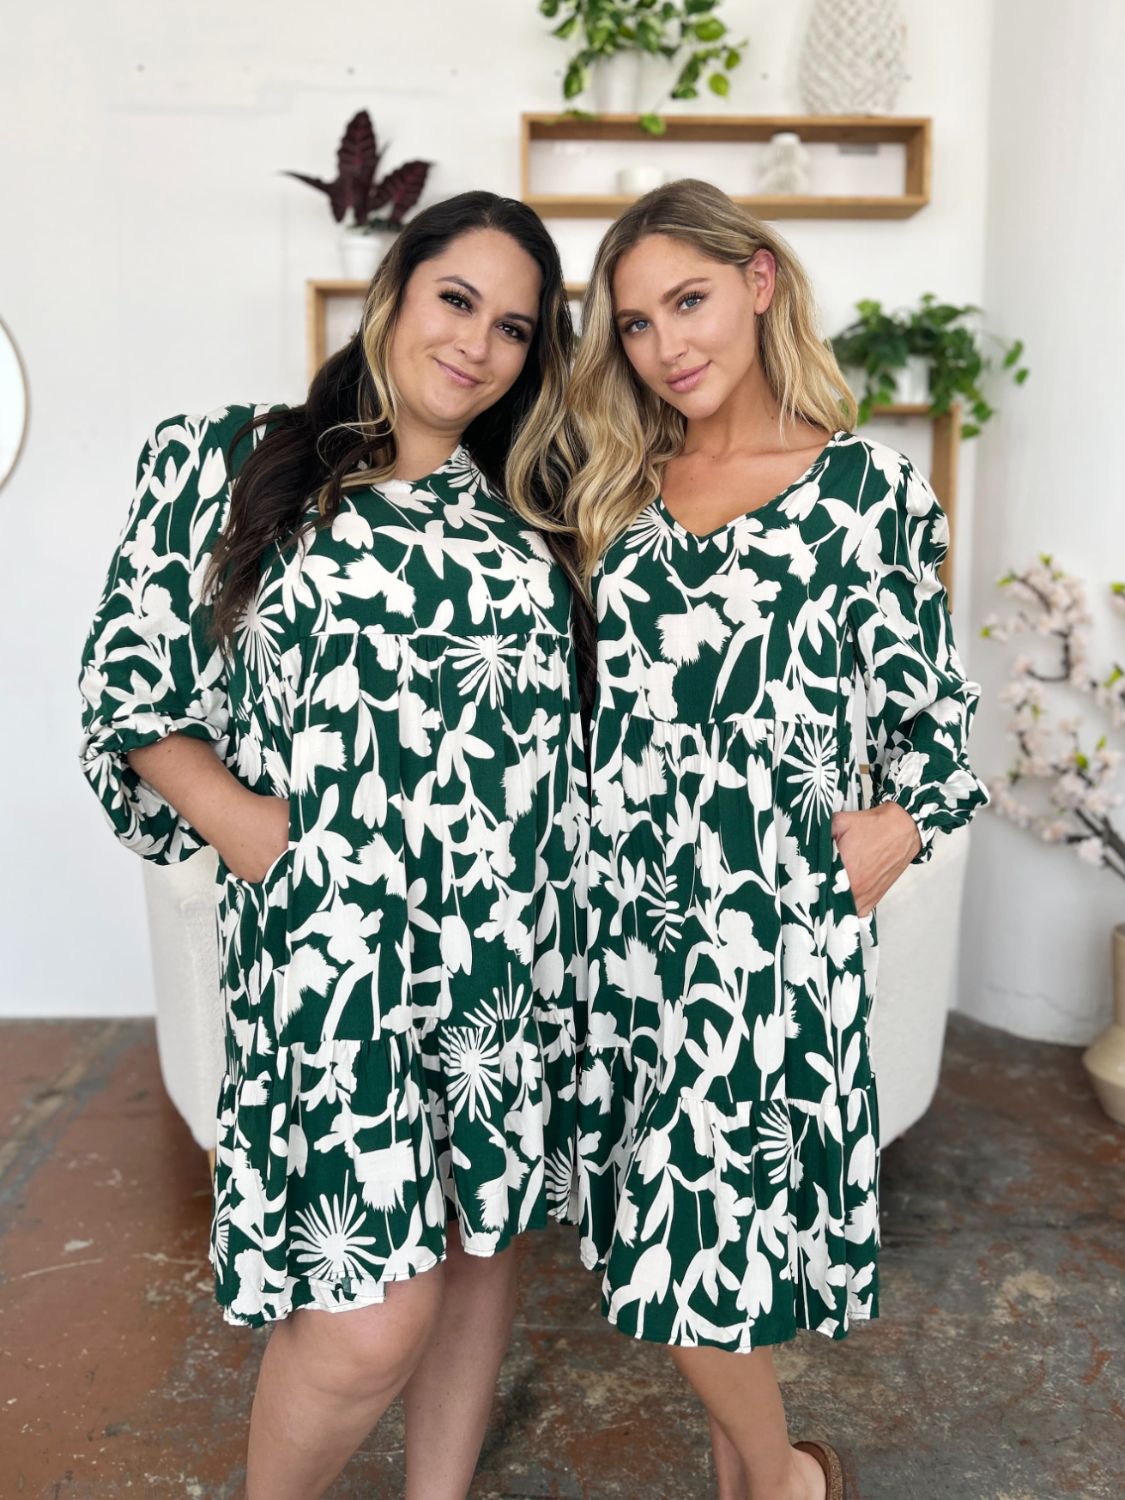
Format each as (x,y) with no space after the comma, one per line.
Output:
(472,343)
(670,345)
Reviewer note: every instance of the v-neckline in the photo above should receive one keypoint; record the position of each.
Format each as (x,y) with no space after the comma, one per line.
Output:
(705,536)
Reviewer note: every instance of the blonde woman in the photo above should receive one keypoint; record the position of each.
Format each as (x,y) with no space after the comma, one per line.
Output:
(335,644)
(761,577)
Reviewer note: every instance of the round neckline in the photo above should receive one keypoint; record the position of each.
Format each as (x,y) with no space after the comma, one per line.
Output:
(706,536)
(460,458)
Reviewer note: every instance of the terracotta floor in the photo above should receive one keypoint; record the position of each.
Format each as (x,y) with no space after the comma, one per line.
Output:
(997,1371)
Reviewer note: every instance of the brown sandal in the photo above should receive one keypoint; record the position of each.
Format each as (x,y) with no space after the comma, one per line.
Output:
(829,1460)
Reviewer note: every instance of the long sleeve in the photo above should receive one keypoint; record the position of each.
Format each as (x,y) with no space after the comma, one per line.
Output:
(919,705)
(148,666)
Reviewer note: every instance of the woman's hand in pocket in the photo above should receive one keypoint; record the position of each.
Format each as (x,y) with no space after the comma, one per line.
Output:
(876,845)
(256,835)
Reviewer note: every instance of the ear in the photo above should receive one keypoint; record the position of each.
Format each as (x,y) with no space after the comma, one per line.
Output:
(760,272)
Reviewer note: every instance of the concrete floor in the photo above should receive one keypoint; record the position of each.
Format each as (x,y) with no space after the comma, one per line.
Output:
(997,1371)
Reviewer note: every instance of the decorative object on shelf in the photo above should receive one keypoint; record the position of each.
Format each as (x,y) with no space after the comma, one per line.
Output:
(853,60)
(13,404)
(879,346)
(571,129)
(1073,789)
(358,196)
(632,182)
(616,36)
(785,165)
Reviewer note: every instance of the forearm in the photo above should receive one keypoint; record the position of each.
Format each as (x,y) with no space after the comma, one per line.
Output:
(192,779)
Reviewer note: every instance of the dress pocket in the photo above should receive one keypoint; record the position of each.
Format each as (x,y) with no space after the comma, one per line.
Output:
(226,873)
(842,881)
(854,945)
(256,951)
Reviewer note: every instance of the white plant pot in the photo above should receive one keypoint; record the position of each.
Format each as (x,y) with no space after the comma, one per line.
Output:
(912,384)
(615,84)
(361,252)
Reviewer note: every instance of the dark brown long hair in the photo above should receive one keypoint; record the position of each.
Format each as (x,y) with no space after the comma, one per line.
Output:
(343,434)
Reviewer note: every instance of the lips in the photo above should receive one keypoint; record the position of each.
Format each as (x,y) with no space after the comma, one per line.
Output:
(458,377)
(687,380)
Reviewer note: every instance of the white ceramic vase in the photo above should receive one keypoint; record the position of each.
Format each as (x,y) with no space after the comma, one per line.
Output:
(1105,1059)
(853,60)
(633,181)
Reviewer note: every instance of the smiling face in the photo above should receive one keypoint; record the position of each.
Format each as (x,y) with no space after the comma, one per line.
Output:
(463,330)
(687,323)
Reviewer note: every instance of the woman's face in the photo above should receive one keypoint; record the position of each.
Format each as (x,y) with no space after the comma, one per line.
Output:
(687,323)
(464,329)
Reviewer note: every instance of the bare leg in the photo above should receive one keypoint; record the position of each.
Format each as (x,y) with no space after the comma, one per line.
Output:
(741,1394)
(449,1396)
(326,1379)
(729,1473)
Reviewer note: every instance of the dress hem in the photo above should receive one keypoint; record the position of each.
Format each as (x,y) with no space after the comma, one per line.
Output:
(372,1294)
(596,1263)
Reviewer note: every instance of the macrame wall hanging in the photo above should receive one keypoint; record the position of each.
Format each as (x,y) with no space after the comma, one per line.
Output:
(853,60)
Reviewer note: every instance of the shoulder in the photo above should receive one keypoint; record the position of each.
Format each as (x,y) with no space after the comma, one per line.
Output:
(885,480)
(208,438)
(183,476)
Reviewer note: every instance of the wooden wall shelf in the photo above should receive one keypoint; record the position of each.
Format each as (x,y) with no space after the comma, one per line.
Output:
(913,133)
(318,293)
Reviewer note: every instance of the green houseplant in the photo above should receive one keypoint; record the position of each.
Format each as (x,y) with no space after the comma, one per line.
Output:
(947,339)
(686,33)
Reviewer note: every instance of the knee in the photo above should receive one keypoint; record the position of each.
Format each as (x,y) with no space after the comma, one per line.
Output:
(367,1351)
(482,1270)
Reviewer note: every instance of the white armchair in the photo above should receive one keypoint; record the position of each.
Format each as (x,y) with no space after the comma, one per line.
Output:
(184,936)
(919,924)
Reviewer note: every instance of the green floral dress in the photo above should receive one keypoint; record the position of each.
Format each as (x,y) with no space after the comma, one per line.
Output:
(728,1121)
(401,987)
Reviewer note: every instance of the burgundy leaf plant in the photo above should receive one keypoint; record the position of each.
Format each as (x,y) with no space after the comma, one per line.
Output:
(357,186)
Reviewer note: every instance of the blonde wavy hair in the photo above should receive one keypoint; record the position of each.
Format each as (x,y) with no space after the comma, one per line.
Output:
(623,432)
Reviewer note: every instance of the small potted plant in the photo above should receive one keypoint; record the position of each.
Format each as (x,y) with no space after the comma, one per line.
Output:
(934,354)
(371,208)
(616,37)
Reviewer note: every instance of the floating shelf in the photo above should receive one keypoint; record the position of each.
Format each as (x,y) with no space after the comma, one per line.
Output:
(318,293)
(845,130)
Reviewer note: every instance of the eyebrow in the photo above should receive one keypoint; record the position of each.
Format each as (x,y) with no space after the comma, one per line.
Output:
(509,317)
(669,296)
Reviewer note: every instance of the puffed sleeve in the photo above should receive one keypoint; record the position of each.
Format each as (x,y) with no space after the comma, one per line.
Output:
(149,668)
(919,704)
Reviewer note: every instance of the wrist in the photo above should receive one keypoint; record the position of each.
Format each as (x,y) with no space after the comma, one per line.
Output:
(905,826)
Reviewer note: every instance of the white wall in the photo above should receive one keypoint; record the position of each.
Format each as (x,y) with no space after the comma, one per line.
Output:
(153,261)
(1036,939)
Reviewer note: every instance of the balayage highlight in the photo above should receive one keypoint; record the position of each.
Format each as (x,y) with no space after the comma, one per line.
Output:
(624,432)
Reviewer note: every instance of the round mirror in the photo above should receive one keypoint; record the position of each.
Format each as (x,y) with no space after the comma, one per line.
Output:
(13,403)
